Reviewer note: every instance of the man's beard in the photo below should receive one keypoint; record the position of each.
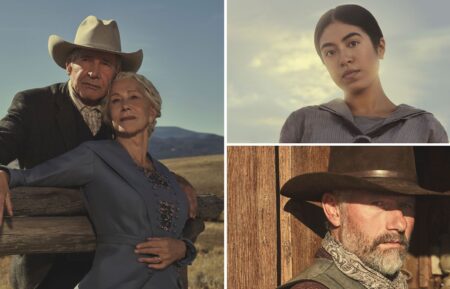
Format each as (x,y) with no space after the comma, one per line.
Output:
(388,261)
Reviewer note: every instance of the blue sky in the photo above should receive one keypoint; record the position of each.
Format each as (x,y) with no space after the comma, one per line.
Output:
(182,43)
(273,68)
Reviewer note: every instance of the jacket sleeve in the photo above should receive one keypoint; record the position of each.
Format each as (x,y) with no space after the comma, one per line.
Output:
(13,129)
(438,133)
(74,168)
(191,253)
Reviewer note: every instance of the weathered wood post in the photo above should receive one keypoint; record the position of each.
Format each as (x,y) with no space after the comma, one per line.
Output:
(298,241)
(252,217)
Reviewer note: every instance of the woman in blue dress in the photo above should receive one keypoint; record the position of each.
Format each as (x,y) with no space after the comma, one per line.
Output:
(129,195)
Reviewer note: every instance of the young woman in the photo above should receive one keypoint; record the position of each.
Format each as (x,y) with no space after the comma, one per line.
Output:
(350,44)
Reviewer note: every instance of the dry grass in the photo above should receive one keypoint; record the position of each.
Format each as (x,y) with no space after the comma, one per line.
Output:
(207,270)
(206,175)
(204,172)
(4,269)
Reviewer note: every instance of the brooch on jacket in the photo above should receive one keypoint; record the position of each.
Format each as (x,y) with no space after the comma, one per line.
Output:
(168,212)
(157,180)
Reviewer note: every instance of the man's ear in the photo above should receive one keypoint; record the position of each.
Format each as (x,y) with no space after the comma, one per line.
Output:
(68,68)
(381,48)
(331,209)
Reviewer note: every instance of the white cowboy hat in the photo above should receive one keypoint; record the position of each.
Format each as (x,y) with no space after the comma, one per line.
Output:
(95,34)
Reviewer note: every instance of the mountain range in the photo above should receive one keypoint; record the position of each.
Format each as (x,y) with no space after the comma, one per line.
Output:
(174,142)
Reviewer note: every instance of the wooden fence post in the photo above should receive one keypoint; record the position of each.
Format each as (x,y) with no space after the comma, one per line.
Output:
(252,218)
(298,242)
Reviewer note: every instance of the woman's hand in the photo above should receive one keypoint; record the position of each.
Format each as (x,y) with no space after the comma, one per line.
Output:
(5,196)
(169,250)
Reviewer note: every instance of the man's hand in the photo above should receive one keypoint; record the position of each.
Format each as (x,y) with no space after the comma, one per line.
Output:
(5,196)
(168,250)
(191,194)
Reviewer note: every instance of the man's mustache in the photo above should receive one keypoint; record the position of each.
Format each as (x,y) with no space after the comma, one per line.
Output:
(391,238)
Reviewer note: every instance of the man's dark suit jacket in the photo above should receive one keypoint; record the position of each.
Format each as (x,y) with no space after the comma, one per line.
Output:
(41,124)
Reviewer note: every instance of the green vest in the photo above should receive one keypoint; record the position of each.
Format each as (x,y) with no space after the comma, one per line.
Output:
(325,272)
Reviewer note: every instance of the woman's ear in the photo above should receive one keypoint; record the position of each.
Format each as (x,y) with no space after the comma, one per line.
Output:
(381,48)
(331,209)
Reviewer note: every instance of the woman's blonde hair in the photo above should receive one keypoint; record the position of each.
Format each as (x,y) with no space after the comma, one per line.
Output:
(150,92)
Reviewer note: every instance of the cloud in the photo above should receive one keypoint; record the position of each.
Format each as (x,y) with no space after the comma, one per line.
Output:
(238,99)
(291,63)
(415,62)
(279,72)
(429,45)
(270,121)
(286,52)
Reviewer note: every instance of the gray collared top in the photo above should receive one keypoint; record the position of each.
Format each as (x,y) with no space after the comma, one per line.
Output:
(333,122)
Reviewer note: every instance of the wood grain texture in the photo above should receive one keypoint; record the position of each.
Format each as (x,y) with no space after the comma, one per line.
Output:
(252,218)
(49,201)
(46,234)
(432,216)
(51,220)
(299,239)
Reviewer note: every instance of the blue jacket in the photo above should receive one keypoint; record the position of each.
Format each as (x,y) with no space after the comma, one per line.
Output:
(125,208)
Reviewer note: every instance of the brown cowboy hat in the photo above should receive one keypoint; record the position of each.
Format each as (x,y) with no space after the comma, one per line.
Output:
(95,34)
(381,169)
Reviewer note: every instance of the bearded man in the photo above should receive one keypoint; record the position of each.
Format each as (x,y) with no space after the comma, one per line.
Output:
(368,197)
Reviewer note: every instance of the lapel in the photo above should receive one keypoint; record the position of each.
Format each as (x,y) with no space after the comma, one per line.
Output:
(118,160)
(339,108)
(112,154)
(401,113)
(65,117)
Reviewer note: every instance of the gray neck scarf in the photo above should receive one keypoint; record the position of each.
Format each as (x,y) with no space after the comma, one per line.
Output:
(349,264)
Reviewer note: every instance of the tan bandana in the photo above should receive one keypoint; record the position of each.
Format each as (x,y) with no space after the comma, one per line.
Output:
(349,264)
(92,115)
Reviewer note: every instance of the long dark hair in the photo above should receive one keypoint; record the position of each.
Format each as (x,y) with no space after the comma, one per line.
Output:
(353,15)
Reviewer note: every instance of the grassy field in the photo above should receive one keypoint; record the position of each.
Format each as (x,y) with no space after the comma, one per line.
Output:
(204,172)
(207,270)
(4,269)
(206,175)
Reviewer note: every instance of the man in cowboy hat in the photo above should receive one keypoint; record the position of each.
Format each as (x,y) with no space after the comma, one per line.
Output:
(45,122)
(368,198)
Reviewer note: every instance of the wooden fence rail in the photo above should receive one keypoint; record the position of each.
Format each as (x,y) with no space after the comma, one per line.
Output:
(49,201)
(52,220)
